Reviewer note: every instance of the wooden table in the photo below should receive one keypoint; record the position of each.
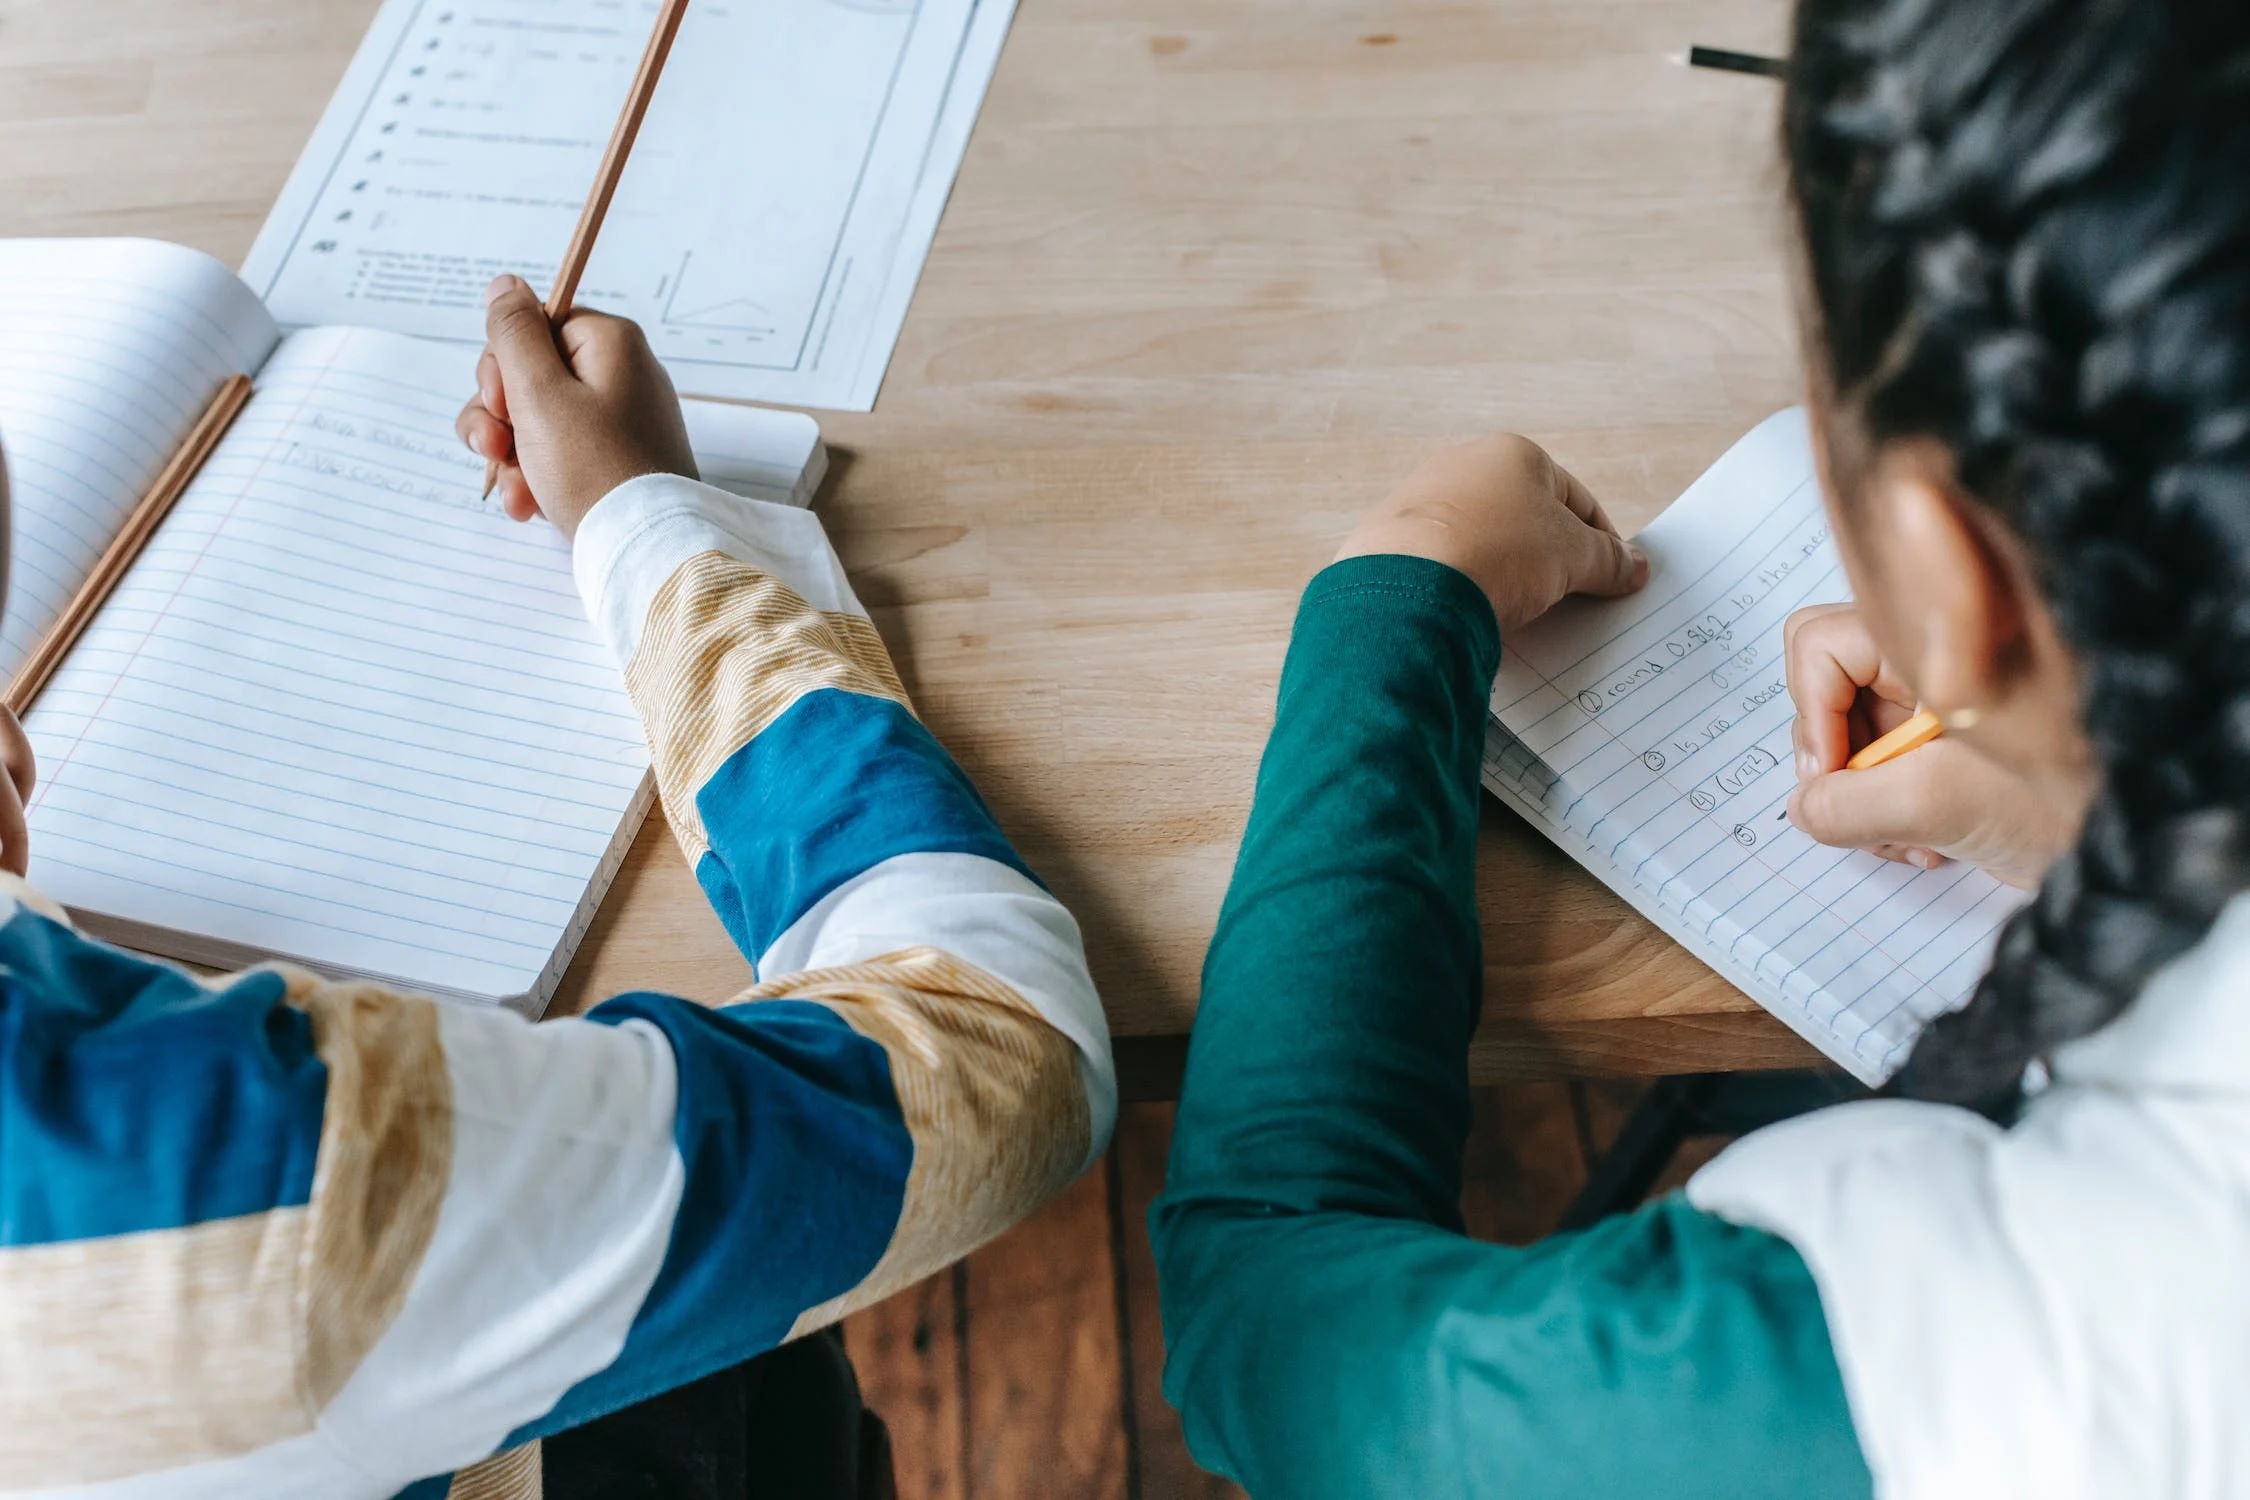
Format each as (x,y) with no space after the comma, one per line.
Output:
(1215,273)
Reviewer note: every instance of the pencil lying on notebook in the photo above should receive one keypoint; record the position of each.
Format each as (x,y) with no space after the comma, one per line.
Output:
(126,545)
(573,267)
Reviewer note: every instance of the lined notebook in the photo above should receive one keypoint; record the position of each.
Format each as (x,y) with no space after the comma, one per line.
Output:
(1650,739)
(339,710)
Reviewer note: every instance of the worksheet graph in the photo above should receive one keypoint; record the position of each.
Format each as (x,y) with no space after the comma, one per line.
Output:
(686,307)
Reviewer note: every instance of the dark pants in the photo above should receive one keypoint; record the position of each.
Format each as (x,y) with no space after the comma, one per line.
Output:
(786,1426)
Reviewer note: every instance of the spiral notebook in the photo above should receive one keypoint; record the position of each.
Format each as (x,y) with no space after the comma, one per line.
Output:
(338,710)
(1649,738)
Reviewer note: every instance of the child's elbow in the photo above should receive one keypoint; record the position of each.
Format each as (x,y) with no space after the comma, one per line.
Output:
(1097,1079)
(1214,1279)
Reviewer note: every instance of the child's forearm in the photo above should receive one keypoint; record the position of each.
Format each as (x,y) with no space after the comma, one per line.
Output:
(1328,1329)
(1329,1059)
(242,1207)
(503,1229)
(848,855)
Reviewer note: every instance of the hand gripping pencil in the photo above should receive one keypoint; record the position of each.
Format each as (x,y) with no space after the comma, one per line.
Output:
(605,181)
(1911,735)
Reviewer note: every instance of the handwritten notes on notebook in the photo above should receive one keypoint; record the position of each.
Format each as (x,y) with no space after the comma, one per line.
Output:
(339,711)
(109,351)
(1650,739)
(770,227)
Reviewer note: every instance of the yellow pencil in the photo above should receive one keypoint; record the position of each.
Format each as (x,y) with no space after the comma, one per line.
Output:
(1912,735)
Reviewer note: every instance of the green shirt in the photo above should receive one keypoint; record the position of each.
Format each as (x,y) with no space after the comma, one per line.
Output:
(1332,1332)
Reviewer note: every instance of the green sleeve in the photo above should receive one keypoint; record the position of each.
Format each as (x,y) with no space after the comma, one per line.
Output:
(1331,1332)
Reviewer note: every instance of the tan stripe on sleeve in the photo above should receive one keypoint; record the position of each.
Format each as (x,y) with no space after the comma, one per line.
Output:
(514,1474)
(725,651)
(386,1154)
(140,1352)
(989,1091)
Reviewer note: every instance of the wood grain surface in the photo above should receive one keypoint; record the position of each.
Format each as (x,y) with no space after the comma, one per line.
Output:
(1214,274)
(1011,1376)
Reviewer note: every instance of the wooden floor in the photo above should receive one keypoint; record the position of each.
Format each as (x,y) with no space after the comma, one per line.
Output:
(1034,1368)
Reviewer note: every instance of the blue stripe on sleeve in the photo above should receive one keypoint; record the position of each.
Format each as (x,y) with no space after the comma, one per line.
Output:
(132,1098)
(835,786)
(796,1156)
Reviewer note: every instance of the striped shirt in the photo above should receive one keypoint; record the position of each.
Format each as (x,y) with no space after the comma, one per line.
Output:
(268,1234)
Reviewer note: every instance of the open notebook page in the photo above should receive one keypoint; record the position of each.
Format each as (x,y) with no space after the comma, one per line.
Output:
(1650,739)
(109,352)
(342,711)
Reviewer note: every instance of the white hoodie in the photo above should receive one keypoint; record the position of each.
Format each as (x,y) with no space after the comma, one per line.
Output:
(2058,1310)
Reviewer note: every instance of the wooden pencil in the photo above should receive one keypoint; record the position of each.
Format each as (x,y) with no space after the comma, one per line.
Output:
(1911,735)
(581,248)
(170,483)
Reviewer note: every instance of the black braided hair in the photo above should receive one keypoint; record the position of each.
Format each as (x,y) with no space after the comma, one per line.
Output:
(2027,236)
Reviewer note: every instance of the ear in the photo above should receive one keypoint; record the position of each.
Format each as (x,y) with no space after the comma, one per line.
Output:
(1961,598)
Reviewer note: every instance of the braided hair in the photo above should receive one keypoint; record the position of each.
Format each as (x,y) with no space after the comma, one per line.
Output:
(2027,237)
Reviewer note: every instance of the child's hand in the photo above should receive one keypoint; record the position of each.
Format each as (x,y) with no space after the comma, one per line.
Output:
(568,413)
(1945,800)
(1500,510)
(15,791)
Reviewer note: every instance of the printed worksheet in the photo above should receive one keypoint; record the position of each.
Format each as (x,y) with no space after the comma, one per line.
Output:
(1650,739)
(772,221)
